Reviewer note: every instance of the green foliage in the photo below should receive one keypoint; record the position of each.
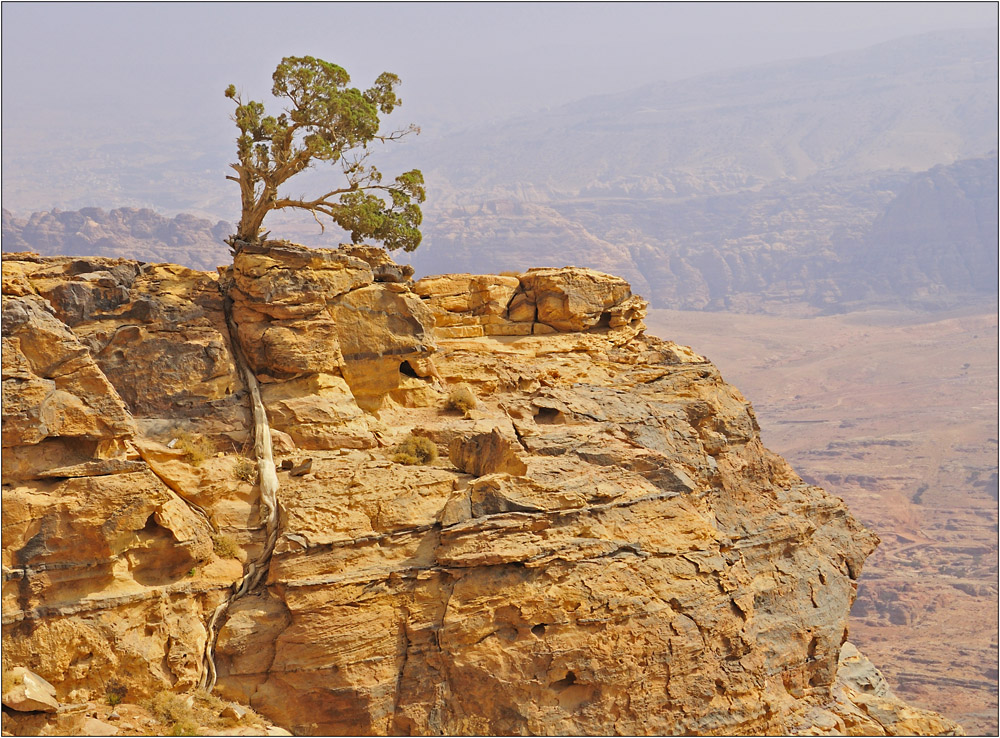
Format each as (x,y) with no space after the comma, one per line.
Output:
(461,398)
(324,120)
(415,450)
(114,692)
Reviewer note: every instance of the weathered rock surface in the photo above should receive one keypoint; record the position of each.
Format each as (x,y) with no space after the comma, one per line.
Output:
(865,705)
(28,692)
(604,546)
(486,453)
(541,301)
(166,714)
(57,401)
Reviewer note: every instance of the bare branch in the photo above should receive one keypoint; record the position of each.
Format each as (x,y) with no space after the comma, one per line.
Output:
(322,228)
(396,135)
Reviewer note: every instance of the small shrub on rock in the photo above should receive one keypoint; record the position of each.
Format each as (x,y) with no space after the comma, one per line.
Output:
(114,692)
(195,713)
(176,711)
(225,547)
(196,448)
(245,470)
(462,398)
(415,450)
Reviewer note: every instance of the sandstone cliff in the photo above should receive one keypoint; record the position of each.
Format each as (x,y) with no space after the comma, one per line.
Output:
(602,545)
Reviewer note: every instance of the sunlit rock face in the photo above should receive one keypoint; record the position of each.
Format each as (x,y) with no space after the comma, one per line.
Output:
(603,545)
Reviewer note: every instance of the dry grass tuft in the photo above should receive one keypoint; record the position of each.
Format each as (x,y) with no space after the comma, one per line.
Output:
(196,448)
(189,714)
(415,450)
(462,398)
(245,469)
(225,547)
(176,711)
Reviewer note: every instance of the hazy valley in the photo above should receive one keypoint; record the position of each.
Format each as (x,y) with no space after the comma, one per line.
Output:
(895,412)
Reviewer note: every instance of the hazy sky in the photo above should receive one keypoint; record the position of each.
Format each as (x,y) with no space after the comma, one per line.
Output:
(92,87)
(460,62)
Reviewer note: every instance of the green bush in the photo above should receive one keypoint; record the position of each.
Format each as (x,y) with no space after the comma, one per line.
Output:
(415,450)
(114,692)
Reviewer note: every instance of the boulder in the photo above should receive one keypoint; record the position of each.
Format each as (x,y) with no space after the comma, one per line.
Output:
(486,453)
(52,386)
(88,726)
(283,280)
(59,409)
(379,328)
(233,712)
(25,691)
(304,313)
(574,299)
(538,302)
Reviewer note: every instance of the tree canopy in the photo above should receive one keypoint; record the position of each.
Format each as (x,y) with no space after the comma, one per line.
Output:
(324,120)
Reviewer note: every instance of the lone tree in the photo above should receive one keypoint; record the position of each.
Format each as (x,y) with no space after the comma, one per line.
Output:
(324,120)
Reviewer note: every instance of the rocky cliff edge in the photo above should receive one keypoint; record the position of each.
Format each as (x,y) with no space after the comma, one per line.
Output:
(598,543)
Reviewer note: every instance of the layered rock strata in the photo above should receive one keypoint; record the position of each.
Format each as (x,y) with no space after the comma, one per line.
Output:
(603,545)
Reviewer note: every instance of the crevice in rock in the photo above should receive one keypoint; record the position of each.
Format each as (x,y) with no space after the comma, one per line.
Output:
(549,416)
(268,485)
(174,487)
(404,657)
(565,683)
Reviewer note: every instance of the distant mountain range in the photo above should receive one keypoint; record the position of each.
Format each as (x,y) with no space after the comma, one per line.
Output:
(131,233)
(904,105)
(742,190)
(937,236)
(826,182)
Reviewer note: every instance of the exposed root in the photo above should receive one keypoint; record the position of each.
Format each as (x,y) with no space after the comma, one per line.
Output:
(268,485)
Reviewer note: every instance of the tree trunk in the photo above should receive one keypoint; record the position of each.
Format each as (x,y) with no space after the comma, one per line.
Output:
(253,209)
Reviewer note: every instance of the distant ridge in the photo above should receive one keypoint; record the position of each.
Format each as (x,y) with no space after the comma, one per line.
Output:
(744,190)
(133,233)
